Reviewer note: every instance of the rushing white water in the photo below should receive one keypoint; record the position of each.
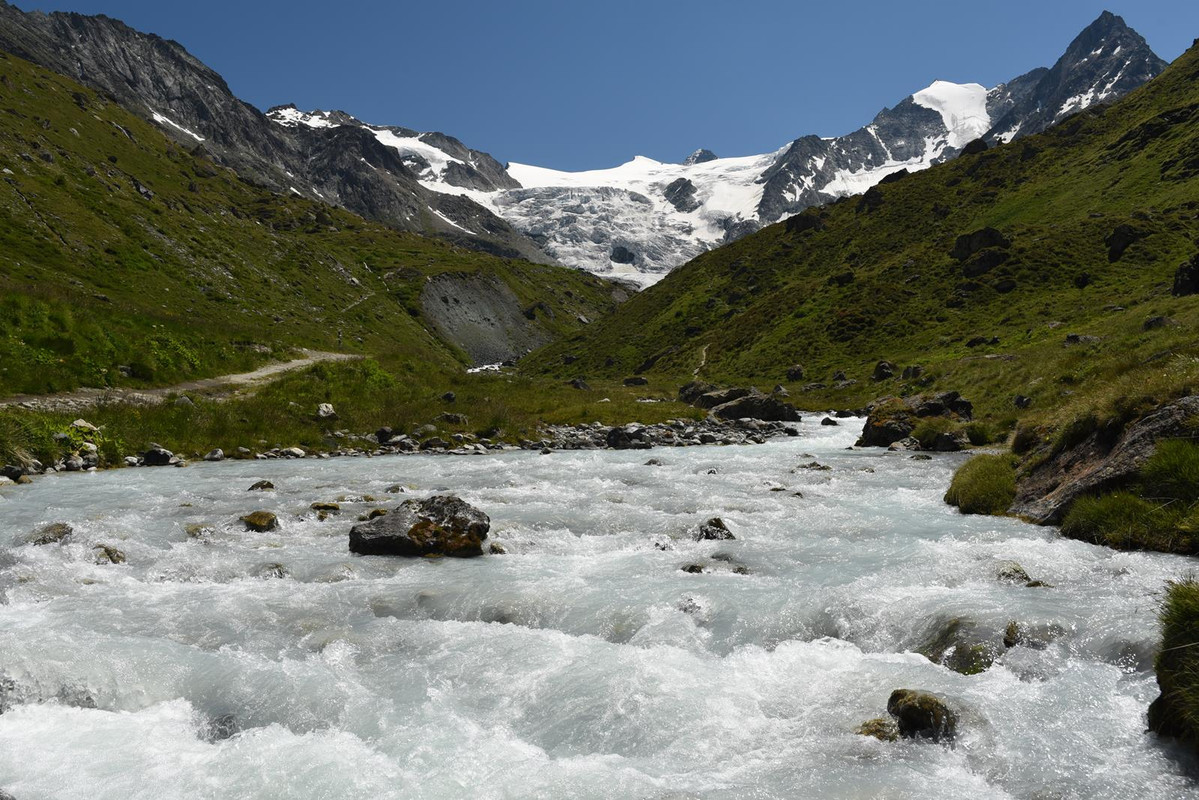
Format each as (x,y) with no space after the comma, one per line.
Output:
(585,662)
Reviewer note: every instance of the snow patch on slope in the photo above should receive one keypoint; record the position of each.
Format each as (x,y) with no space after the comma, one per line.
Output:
(963,107)
(161,120)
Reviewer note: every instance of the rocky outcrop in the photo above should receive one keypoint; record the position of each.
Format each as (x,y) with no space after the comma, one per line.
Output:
(1102,459)
(442,525)
(1186,278)
(893,419)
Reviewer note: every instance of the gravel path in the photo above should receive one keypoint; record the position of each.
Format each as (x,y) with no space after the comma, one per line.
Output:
(219,386)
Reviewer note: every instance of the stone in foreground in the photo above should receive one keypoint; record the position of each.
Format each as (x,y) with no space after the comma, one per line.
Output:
(443,525)
(921,715)
(260,521)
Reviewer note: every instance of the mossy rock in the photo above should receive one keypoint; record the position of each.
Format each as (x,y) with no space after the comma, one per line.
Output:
(922,715)
(198,530)
(262,486)
(956,644)
(881,728)
(325,507)
(54,533)
(108,555)
(1012,572)
(260,521)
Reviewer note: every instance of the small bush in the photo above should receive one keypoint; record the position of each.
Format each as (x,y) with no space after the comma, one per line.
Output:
(980,433)
(927,431)
(983,485)
(1176,711)
(1025,440)
(1172,472)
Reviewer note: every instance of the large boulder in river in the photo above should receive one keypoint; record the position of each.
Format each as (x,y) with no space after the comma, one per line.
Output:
(757,406)
(922,715)
(892,419)
(442,525)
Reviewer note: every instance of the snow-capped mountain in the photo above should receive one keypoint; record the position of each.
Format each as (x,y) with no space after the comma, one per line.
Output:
(637,220)
(641,219)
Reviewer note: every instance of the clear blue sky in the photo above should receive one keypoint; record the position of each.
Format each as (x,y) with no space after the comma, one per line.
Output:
(578,85)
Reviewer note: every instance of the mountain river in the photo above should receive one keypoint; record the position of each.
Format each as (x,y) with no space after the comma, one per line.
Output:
(584,662)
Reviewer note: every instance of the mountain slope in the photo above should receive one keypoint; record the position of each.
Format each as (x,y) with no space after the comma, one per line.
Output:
(128,259)
(160,81)
(975,270)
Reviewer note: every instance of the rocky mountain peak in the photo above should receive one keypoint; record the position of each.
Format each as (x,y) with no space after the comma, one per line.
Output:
(700,156)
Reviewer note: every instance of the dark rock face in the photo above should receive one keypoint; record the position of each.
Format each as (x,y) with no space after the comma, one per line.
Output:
(921,715)
(443,525)
(700,156)
(1186,279)
(795,373)
(1108,59)
(623,255)
(1103,461)
(680,193)
(636,380)
(883,370)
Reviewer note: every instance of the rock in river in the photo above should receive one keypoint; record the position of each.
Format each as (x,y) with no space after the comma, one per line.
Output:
(442,525)
(921,715)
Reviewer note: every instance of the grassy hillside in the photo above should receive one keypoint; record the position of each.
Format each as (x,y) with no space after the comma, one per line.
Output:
(128,260)
(873,277)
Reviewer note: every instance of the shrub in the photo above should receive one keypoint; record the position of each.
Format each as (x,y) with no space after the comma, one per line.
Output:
(927,431)
(983,485)
(1176,711)
(1172,472)
(980,433)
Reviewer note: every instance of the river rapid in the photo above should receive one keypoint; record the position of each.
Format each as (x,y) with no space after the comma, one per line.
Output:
(584,662)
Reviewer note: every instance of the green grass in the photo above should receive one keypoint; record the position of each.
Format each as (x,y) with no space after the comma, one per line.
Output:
(1176,713)
(1171,474)
(1158,511)
(986,484)
(365,396)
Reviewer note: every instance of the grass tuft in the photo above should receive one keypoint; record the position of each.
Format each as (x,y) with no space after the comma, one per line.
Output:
(986,484)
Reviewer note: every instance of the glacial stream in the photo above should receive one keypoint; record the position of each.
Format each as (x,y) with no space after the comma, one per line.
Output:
(583,663)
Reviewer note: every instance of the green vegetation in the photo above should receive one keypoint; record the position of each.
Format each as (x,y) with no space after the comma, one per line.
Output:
(1176,712)
(1158,512)
(866,283)
(128,260)
(366,397)
(986,484)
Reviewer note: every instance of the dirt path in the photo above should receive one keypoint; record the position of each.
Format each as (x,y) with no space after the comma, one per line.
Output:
(219,386)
